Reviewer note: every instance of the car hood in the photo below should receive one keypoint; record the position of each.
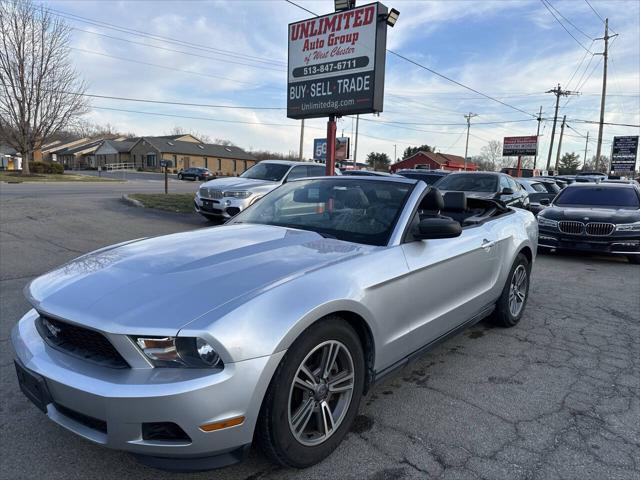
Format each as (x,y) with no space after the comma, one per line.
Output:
(608,215)
(238,183)
(163,283)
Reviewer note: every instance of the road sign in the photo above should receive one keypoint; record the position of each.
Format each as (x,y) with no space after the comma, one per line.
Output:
(320,149)
(624,153)
(336,63)
(519,146)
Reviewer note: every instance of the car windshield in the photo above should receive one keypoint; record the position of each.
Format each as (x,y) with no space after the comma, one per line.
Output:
(273,172)
(598,197)
(469,183)
(350,209)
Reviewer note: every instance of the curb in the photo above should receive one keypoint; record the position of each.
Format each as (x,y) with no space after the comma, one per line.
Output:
(132,201)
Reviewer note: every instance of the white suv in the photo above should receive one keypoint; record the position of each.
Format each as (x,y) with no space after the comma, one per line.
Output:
(226,197)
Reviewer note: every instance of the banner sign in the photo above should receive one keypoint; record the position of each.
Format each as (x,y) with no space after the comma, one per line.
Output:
(336,63)
(624,153)
(320,149)
(519,146)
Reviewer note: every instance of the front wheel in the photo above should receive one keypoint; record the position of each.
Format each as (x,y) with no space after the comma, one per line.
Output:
(511,304)
(179,176)
(313,396)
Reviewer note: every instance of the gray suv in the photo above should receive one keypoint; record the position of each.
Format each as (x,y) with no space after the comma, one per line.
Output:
(224,198)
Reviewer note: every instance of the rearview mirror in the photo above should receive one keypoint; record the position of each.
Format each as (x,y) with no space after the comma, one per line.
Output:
(545,202)
(506,191)
(432,228)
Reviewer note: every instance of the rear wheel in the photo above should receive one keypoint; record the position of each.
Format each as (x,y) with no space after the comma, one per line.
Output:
(635,259)
(179,176)
(313,396)
(511,304)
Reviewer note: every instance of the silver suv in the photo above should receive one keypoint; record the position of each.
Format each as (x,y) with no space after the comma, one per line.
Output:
(226,197)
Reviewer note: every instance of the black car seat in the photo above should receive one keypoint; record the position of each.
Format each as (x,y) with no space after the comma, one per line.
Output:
(455,206)
(431,204)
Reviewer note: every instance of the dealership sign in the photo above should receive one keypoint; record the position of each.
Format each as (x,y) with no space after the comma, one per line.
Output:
(320,149)
(624,153)
(336,63)
(519,146)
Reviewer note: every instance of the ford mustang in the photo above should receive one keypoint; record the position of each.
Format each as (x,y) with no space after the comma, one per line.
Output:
(295,308)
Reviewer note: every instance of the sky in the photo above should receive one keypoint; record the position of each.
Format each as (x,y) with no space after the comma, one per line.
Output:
(236,55)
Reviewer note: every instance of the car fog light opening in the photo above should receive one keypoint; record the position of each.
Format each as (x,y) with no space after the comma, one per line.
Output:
(193,352)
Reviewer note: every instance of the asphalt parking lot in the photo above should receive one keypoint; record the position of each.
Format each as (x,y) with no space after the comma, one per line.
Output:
(557,397)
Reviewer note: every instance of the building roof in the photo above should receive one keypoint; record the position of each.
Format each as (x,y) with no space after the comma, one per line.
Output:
(442,159)
(79,148)
(6,149)
(169,145)
(120,146)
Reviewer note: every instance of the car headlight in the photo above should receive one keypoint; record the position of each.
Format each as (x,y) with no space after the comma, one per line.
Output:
(236,194)
(191,352)
(628,227)
(545,222)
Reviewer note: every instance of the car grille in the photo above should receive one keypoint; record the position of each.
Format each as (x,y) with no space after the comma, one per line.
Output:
(571,227)
(594,229)
(80,342)
(600,229)
(214,193)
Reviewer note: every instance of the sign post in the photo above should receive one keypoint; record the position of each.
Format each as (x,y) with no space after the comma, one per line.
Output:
(520,147)
(336,67)
(623,154)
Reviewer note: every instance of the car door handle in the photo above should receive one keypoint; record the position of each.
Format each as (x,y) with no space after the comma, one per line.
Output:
(487,244)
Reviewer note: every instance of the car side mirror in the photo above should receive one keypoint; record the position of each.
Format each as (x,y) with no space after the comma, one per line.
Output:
(433,228)
(545,201)
(506,191)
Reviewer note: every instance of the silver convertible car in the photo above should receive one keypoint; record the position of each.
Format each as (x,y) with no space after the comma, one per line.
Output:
(184,349)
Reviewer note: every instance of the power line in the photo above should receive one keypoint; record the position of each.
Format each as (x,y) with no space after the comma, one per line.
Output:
(445,124)
(166,102)
(606,123)
(132,31)
(569,21)
(562,25)
(158,47)
(301,7)
(192,72)
(594,11)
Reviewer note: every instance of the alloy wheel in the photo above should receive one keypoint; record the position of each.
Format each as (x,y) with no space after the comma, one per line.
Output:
(518,290)
(321,393)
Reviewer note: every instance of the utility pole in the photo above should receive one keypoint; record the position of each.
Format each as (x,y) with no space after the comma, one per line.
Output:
(558,92)
(395,154)
(301,139)
(355,146)
(605,55)
(564,121)
(535,158)
(466,147)
(586,148)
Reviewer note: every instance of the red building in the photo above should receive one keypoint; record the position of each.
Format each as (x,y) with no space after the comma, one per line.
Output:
(433,161)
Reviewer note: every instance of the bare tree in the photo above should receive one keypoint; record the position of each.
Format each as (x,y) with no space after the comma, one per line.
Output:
(39,88)
(492,155)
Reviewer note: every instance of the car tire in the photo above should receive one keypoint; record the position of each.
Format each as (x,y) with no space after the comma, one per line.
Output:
(287,407)
(634,259)
(179,176)
(511,304)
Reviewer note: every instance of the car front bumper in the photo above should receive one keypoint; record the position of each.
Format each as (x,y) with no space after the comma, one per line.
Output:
(109,406)
(616,243)
(224,207)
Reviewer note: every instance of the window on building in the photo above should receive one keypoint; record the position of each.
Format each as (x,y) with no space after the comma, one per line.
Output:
(235,166)
(244,169)
(206,162)
(219,165)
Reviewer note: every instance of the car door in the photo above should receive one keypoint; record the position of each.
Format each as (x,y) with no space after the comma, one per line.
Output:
(521,197)
(449,282)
